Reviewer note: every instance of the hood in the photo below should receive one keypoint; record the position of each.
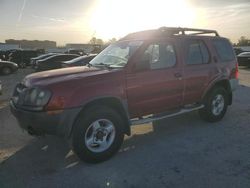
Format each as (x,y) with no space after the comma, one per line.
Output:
(9,62)
(59,75)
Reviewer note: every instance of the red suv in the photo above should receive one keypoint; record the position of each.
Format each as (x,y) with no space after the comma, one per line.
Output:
(173,70)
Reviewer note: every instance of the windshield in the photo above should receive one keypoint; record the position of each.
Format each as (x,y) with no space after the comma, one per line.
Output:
(116,55)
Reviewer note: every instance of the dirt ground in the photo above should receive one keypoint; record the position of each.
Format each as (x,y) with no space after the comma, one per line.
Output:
(183,151)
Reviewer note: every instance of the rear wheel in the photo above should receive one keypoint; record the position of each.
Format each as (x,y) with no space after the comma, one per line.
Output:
(6,70)
(98,134)
(215,105)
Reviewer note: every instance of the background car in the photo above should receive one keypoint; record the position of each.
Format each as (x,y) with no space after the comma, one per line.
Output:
(79,61)
(22,57)
(1,88)
(244,59)
(238,50)
(43,56)
(75,51)
(53,62)
(7,67)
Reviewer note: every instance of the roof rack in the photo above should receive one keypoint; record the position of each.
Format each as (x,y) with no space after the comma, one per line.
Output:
(169,31)
(187,31)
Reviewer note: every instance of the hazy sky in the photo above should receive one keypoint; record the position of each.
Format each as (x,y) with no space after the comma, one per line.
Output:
(77,21)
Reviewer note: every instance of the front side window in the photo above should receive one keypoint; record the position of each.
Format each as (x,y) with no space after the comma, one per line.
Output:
(197,53)
(116,55)
(160,55)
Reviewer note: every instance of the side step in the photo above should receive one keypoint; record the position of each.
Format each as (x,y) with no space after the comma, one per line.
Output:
(152,118)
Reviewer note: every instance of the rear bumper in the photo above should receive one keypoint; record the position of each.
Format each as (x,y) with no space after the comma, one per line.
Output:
(57,123)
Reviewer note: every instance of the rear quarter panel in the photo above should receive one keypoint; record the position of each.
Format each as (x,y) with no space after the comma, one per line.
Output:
(221,70)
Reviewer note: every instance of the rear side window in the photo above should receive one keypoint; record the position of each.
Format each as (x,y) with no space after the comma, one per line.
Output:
(197,53)
(224,49)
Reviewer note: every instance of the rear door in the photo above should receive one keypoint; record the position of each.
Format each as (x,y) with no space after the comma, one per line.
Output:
(158,87)
(198,68)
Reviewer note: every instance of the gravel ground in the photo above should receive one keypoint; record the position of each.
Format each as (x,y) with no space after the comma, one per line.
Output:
(183,151)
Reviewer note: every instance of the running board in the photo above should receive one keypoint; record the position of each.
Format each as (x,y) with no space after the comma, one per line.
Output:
(151,118)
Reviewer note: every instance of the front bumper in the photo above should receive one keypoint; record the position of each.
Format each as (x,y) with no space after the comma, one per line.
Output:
(57,123)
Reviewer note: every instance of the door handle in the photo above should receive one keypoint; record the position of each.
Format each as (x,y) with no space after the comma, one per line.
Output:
(178,75)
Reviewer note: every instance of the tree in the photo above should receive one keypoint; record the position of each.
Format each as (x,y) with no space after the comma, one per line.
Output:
(99,41)
(243,41)
(96,41)
(113,40)
(93,40)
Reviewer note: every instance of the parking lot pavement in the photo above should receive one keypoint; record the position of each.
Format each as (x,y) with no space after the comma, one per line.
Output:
(183,151)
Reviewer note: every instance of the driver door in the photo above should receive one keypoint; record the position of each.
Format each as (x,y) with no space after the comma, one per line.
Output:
(160,86)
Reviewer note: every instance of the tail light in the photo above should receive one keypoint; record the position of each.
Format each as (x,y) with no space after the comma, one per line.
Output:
(235,72)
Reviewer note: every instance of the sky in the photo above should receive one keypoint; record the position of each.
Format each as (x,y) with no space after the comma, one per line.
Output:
(77,21)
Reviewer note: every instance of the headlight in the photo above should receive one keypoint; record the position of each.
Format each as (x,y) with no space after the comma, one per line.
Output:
(36,97)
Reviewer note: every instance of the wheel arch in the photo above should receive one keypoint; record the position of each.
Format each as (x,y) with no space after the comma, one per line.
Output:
(112,102)
(220,83)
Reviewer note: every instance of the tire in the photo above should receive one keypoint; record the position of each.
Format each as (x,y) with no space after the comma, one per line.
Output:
(215,105)
(6,70)
(86,130)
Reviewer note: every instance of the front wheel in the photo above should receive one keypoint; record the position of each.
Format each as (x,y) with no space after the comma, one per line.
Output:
(98,134)
(215,105)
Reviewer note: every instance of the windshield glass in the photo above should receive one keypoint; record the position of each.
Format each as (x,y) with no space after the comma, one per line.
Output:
(116,55)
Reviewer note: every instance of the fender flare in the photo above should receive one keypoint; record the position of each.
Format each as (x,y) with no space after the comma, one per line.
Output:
(107,100)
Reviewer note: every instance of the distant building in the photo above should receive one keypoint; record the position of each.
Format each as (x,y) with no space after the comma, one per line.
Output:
(77,46)
(4,46)
(87,48)
(56,50)
(32,44)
